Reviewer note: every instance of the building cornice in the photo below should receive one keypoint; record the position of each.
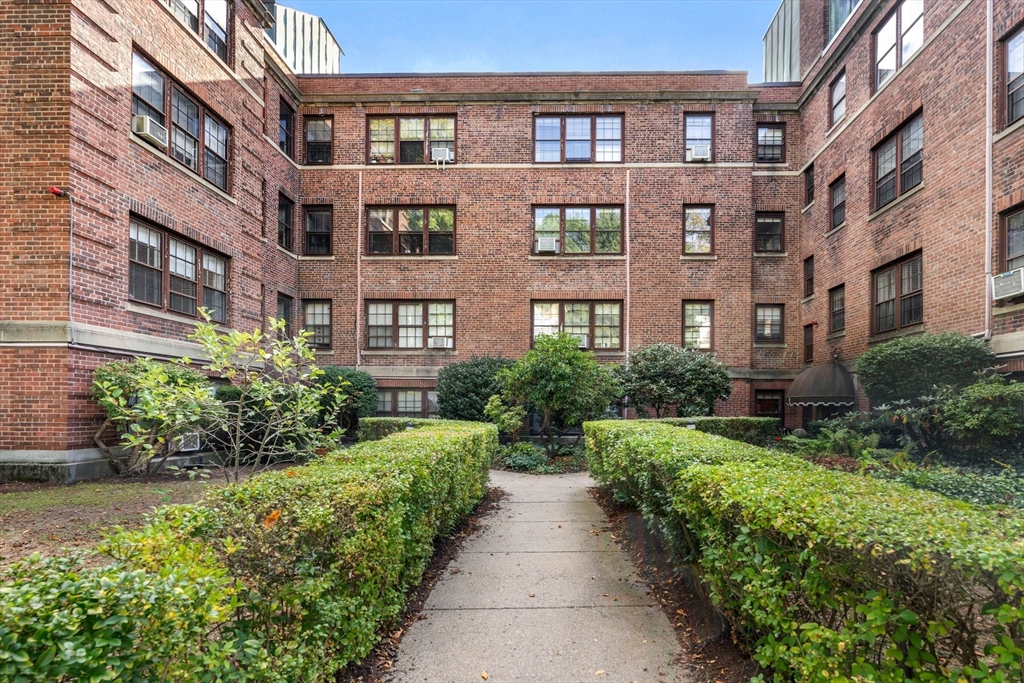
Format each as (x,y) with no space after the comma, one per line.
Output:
(378,99)
(261,12)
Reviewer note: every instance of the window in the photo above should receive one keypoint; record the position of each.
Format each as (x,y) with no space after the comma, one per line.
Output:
(175,275)
(697,232)
(768,320)
(406,403)
(317,316)
(900,36)
(578,229)
(809,276)
(285,216)
(809,185)
(1015,77)
(577,139)
(284,312)
(410,230)
(413,137)
(899,162)
(768,231)
(1014,241)
(768,404)
(838,11)
(898,296)
(699,131)
(215,22)
(698,320)
(196,138)
(319,223)
(410,324)
(838,111)
(808,343)
(597,324)
(771,143)
(837,308)
(319,140)
(286,128)
(838,192)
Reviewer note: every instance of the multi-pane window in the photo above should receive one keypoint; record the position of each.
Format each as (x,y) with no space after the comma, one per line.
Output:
(768,231)
(899,162)
(698,318)
(1015,241)
(577,139)
(771,143)
(768,404)
(410,403)
(196,138)
(413,138)
(838,11)
(215,21)
(175,275)
(284,312)
(809,185)
(838,90)
(1015,77)
(838,198)
(319,140)
(318,225)
(597,324)
(809,276)
(898,39)
(317,322)
(808,343)
(285,218)
(837,308)
(697,231)
(898,295)
(699,133)
(768,323)
(410,324)
(577,229)
(410,230)
(286,128)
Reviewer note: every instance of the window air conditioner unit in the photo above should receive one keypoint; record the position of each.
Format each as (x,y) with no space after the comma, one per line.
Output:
(439,342)
(584,340)
(1008,284)
(150,131)
(441,154)
(188,442)
(547,245)
(700,153)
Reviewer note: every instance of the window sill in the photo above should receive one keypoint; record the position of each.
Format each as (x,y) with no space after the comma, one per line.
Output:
(769,164)
(1007,310)
(893,334)
(581,257)
(835,335)
(770,254)
(410,257)
(142,309)
(1009,130)
(807,299)
(835,229)
(409,352)
(771,345)
(699,257)
(807,208)
(155,151)
(323,352)
(287,252)
(315,258)
(896,202)
(409,164)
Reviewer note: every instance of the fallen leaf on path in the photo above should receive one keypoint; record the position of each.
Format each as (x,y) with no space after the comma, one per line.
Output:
(599,672)
(483,675)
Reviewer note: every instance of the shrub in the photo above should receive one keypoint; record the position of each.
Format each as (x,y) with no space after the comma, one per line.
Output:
(757,431)
(908,368)
(986,415)
(972,487)
(358,396)
(662,375)
(521,457)
(829,576)
(508,419)
(464,388)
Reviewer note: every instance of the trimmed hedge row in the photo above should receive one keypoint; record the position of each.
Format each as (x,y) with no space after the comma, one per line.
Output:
(829,576)
(759,431)
(377,428)
(285,577)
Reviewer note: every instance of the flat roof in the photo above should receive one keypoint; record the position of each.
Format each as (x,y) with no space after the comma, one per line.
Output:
(487,74)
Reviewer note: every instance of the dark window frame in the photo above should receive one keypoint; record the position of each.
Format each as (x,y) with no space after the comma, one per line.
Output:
(759,338)
(285,226)
(396,152)
(165,273)
(202,29)
(899,173)
(306,210)
(393,395)
(306,325)
(777,396)
(836,316)
(289,305)
(1014,89)
(809,276)
(761,216)
(711,304)
(686,135)
(896,12)
(424,232)
(711,225)
(329,157)
(594,208)
(837,211)
(832,119)
(591,320)
(1004,239)
(809,186)
(899,296)
(425,324)
(593,137)
(809,343)
(762,158)
(286,128)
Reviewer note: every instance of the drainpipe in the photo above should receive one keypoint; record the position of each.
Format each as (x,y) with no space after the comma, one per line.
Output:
(61,193)
(628,283)
(359,271)
(989,94)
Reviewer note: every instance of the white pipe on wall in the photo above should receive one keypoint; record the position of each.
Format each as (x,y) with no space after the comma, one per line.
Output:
(989,95)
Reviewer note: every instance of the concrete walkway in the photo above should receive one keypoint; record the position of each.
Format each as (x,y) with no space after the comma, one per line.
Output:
(541,594)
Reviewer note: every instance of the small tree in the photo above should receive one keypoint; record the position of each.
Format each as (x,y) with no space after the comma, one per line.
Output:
(275,412)
(150,405)
(659,376)
(464,388)
(360,392)
(909,368)
(508,419)
(563,384)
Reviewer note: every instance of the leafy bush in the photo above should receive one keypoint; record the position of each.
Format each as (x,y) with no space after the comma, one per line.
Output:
(521,457)
(908,368)
(659,376)
(358,398)
(972,487)
(829,576)
(377,428)
(508,419)
(757,431)
(986,415)
(464,388)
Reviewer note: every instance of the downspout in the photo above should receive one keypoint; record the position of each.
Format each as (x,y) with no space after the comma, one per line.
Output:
(71,266)
(628,283)
(989,94)
(359,271)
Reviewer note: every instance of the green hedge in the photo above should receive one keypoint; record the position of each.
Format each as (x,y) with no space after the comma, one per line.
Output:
(377,428)
(759,431)
(829,576)
(285,577)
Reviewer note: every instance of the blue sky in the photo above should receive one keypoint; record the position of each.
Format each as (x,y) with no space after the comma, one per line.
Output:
(546,35)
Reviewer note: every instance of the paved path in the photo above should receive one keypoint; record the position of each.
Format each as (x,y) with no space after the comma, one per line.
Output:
(542,594)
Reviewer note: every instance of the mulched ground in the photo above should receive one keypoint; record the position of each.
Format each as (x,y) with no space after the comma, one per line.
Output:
(711,655)
(376,667)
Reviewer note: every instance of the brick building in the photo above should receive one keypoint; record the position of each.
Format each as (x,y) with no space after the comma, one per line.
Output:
(413,220)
